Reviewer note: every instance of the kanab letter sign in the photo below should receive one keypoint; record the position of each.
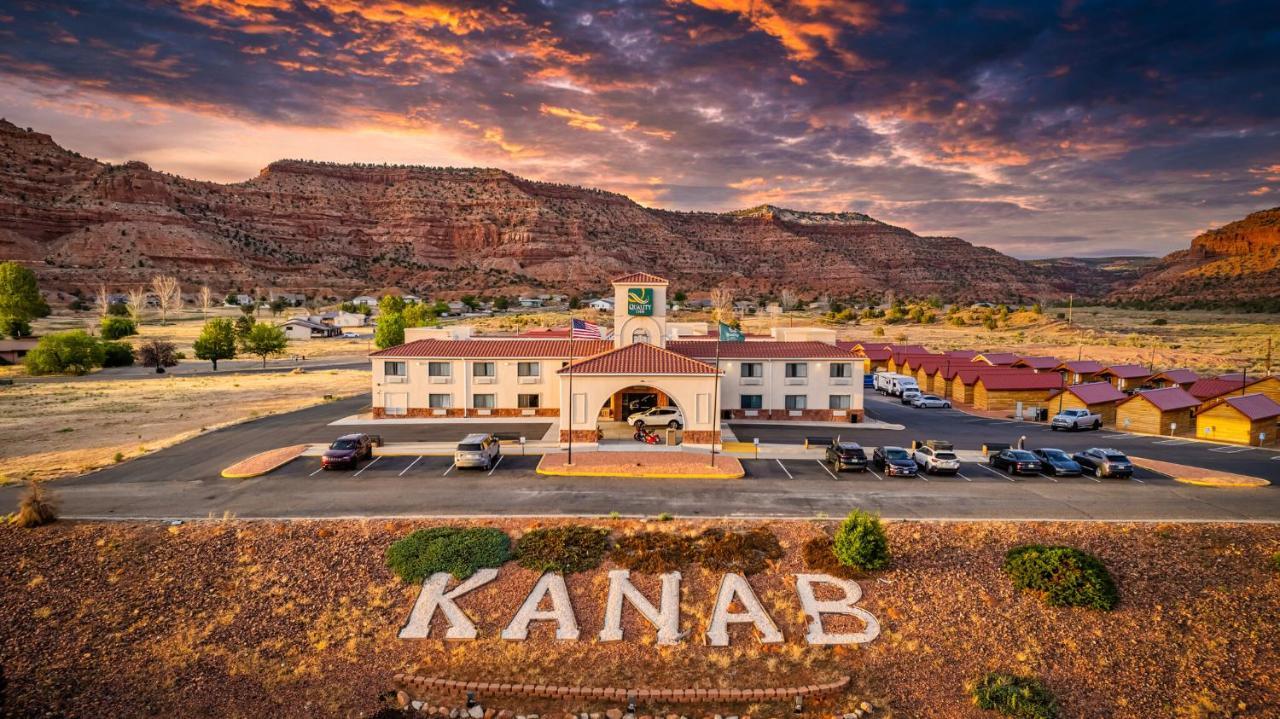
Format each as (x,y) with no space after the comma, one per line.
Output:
(664,617)
(640,301)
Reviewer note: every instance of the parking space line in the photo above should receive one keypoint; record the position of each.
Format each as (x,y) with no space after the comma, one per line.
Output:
(921,476)
(784,468)
(872,471)
(1048,477)
(825,469)
(961,476)
(1174,442)
(495,466)
(370,464)
(1139,481)
(406,469)
(450,469)
(998,474)
(1230,450)
(1113,435)
(318,471)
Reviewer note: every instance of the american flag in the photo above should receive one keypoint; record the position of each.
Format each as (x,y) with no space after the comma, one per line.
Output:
(584,330)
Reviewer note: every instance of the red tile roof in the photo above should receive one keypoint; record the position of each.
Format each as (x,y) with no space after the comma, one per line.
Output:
(1210,387)
(1178,376)
(869,350)
(639,358)
(1126,371)
(1011,381)
(996,358)
(1094,392)
(494,348)
(706,349)
(962,354)
(967,372)
(1256,406)
(1038,362)
(1168,399)
(1081,366)
(639,278)
(545,332)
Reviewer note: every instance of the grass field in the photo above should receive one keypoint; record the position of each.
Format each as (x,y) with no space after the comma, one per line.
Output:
(60,428)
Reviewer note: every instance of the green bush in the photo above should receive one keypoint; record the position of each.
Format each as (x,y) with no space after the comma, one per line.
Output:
(1067,576)
(14,327)
(113,328)
(459,552)
(861,542)
(74,351)
(568,549)
(117,354)
(1275,561)
(1014,696)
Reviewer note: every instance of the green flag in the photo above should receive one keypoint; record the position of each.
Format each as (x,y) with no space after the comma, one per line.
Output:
(730,334)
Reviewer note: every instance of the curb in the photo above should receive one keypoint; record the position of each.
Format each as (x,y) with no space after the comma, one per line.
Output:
(639,475)
(1225,481)
(229,474)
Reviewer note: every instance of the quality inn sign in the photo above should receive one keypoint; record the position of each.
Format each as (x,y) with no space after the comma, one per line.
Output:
(664,617)
(640,301)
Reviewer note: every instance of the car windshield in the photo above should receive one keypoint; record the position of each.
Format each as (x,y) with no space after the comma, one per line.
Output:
(1022,455)
(945,455)
(1117,458)
(849,448)
(344,444)
(468,447)
(1054,454)
(896,453)
(929,397)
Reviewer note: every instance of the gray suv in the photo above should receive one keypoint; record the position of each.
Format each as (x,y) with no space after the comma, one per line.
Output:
(477,450)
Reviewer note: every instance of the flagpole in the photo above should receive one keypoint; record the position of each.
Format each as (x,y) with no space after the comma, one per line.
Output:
(569,463)
(715,401)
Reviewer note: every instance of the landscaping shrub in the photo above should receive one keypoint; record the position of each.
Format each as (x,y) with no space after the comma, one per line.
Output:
(1275,561)
(861,542)
(117,354)
(113,328)
(74,351)
(1067,576)
(654,552)
(568,549)
(459,552)
(819,556)
(743,552)
(1014,696)
(36,508)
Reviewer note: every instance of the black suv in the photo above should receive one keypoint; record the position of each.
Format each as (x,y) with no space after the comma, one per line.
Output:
(846,455)
(1015,461)
(894,460)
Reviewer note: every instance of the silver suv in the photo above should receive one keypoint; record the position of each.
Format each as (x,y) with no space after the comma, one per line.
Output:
(477,450)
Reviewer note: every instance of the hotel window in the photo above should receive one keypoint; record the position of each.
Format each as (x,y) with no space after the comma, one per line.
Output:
(394,369)
(797,370)
(840,401)
(752,369)
(640,336)
(438,369)
(527,401)
(797,402)
(482,401)
(841,370)
(528,369)
(752,401)
(482,369)
(440,401)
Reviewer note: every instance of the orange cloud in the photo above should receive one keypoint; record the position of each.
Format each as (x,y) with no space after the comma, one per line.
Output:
(576,119)
(804,28)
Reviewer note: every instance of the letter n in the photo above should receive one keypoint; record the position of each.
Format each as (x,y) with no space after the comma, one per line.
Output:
(735,586)
(667,620)
(815,609)
(433,597)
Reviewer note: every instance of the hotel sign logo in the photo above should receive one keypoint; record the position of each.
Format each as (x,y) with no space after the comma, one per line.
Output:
(640,301)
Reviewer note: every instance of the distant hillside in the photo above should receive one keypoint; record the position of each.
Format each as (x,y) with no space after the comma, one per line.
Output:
(339,229)
(1094,277)
(1236,265)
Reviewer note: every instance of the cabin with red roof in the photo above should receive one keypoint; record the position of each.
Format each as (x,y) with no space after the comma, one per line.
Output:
(1183,378)
(998,391)
(1170,412)
(1124,377)
(1249,419)
(1079,371)
(1100,398)
(1037,363)
(996,359)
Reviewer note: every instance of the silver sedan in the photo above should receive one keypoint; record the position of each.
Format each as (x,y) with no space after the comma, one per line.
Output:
(929,401)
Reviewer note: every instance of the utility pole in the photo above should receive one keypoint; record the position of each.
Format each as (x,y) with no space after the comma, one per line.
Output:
(1070,305)
(1268,356)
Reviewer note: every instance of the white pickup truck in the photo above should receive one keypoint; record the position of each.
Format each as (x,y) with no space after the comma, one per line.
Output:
(1070,419)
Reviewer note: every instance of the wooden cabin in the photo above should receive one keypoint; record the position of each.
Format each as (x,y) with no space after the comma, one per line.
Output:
(1214,390)
(1124,377)
(1170,412)
(998,391)
(996,359)
(1039,364)
(1183,378)
(1100,398)
(1250,419)
(874,356)
(1079,371)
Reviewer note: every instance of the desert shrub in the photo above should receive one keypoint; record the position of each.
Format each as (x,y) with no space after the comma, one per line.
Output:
(36,508)
(568,549)
(459,552)
(14,327)
(117,354)
(74,351)
(113,328)
(1275,561)
(1014,696)
(654,552)
(861,542)
(819,556)
(742,552)
(1067,576)
(1160,322)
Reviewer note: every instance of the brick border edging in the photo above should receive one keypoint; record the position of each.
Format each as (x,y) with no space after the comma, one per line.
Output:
(413,684)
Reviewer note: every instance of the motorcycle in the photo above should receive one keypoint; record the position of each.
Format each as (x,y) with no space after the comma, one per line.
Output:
(645,435)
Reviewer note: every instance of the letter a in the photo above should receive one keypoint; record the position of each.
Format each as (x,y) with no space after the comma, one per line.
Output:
(561,611)
(815,609)
(731,586)
(433,597)
(667,621)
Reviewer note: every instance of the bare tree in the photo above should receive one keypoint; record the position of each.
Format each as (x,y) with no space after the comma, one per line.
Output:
(137,303)
(168,294)
(788,300)
(722,304)
(103,301)
(206,300)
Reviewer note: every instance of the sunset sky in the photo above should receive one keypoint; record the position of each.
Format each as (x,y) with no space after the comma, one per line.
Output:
(1038,128)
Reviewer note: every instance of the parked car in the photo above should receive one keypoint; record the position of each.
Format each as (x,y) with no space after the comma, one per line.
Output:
(936,461)
(894,460)
(477,450)
(657,417)
(1101,462)
(349,449)
(930,401)
(1057,462)
(1015,461)
(350,335)
(846,455)
(868,381)
(1070,419)
(909,395)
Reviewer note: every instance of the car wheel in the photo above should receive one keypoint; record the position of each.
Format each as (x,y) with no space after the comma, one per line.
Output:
(1097,424)
(673,424)
(1053,428)
(1097,472)
(946,405)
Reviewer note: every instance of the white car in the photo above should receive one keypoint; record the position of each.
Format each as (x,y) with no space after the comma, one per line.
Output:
(930,401)
(350,335)
(657,417)
(941,461)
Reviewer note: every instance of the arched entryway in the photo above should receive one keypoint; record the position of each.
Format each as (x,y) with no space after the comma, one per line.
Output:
(618,414)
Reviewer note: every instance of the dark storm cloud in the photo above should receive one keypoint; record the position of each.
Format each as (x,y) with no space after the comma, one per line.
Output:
(1002,120)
